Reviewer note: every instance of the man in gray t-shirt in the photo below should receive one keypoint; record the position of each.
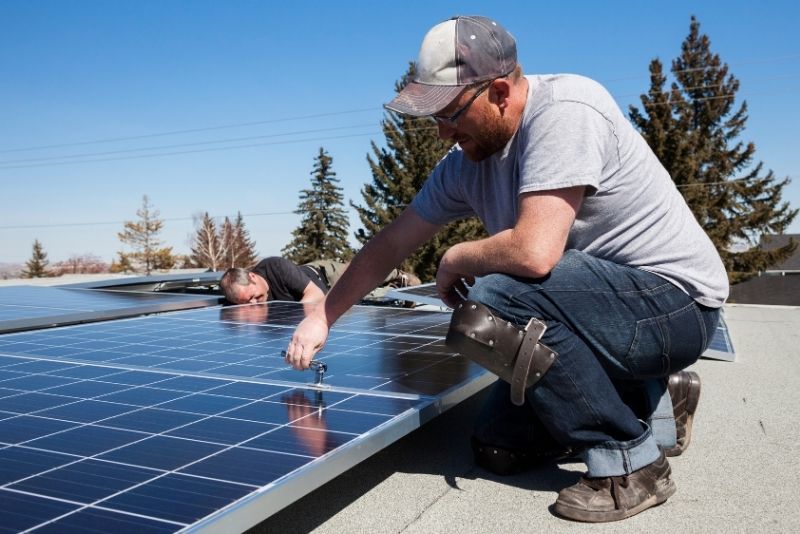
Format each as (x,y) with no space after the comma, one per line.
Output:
(591,246)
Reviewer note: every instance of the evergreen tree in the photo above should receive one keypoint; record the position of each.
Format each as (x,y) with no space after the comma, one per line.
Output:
(323,230)
(163,259)
(207,247)
(413,148)
(142,236)
(228,240)
(694,129)
(123,264)
(247,255)
(239,248)
(36,267)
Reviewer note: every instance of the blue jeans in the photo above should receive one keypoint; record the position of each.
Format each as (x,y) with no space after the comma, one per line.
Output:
(619,332)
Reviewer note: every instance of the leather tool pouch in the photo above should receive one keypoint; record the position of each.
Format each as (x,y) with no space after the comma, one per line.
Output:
(513,354)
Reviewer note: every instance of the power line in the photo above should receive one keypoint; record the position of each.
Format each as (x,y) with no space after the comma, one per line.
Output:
(108,223)
(707,184)
(327,114)
(43,162)
(727,65)
(199,143)
(717,85)
(272,213)
(179,152)
(252,145)
(143,156)
(75,158)
(191,130)
(7,163)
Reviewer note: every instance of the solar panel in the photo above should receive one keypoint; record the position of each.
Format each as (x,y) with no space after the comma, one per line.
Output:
(161,282)
(191,420)
(31,307)
(720,347)
(422,294)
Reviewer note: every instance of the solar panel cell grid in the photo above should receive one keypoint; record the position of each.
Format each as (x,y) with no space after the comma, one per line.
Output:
(156,423)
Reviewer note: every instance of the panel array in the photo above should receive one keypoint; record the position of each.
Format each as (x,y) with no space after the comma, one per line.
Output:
(31,307)
(180,421)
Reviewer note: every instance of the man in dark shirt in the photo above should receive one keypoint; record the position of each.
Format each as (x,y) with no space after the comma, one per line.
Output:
(273,278)
(277,278)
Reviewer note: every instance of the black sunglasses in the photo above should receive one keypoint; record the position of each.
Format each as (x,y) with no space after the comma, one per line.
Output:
(451,120)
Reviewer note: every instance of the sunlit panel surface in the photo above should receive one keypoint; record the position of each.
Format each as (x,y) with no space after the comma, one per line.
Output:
(192,421)
(30,307)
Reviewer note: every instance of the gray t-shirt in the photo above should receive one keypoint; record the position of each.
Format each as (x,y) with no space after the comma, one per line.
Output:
(574,134)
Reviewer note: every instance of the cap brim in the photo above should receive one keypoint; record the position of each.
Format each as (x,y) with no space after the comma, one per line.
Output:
(421,99)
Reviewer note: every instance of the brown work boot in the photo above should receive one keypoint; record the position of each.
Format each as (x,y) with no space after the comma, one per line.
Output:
(597,500)
(684,389)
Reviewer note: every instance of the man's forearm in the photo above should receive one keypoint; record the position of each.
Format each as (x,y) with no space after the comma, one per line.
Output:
(377,258)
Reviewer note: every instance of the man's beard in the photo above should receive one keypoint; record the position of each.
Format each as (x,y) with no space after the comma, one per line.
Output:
(492,138)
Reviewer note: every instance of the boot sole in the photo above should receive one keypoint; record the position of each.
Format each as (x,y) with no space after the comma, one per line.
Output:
(665,490)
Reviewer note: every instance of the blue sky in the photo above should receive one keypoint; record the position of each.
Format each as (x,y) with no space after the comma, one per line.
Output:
(239,96)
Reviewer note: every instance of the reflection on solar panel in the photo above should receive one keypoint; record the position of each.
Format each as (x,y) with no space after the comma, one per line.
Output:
(192,421)
(29,307)
(720,347)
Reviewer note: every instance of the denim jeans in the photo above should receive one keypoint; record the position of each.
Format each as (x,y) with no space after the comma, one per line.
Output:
(619,332)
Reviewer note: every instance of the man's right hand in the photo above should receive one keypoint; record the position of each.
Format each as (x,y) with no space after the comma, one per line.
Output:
(307,340)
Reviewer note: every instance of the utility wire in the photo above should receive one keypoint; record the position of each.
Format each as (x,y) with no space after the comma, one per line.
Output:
(180,145)
(694,69)
(251,145)
(191,130)
(107,223)
(47,162)
(273,213)
(334,113)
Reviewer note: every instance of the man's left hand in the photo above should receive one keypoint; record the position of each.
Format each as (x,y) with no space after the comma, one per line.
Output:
(451,284)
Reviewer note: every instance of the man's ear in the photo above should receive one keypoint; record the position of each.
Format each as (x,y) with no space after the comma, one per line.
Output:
(252,277)
(500,92)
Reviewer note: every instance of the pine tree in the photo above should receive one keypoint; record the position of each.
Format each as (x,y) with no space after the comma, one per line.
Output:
(163,259)
(323,230)
(142,236)
(247,255)
(413,148)
(227,239)
(123,265)
(36,267)
(239,248)
(694,130)
(207,247)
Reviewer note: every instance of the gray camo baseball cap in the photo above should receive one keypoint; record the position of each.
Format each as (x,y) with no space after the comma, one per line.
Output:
(454,54)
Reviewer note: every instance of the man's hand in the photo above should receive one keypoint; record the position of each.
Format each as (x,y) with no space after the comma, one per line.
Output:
(452,285)
(308,339)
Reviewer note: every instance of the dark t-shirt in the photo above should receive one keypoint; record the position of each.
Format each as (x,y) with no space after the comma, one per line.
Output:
(286,280)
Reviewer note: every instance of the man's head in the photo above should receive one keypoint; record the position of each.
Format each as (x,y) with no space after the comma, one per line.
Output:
(241,286)
(468,80)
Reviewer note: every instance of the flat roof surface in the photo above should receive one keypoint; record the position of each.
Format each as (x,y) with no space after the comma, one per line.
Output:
(740,473)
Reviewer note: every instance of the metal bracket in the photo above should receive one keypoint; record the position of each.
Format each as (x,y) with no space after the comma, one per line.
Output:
(319,369)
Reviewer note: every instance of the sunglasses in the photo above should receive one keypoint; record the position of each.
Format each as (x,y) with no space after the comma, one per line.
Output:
(451,120)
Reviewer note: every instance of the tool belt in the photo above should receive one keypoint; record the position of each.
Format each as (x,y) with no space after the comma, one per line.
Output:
(512,353)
